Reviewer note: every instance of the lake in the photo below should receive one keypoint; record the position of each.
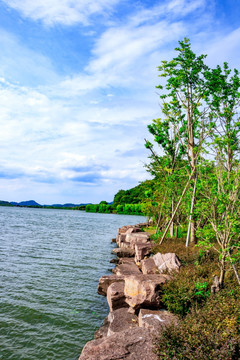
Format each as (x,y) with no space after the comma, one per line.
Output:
(50,264)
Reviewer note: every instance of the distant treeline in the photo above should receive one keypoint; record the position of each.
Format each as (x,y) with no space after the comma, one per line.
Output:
(73,207)
(128,202)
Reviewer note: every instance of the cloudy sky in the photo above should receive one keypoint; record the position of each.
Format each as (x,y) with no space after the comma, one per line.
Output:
(77,88)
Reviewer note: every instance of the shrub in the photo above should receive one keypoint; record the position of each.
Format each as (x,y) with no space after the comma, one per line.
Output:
(212,332)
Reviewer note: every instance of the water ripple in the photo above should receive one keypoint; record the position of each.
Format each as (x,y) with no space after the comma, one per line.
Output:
(50,263)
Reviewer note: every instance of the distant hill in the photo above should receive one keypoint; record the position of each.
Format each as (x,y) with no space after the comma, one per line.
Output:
(33,203)
(29,203)
(5,203)
(68,205)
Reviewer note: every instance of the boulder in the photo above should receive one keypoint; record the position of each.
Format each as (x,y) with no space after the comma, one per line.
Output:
(124,229)
(114,261)
(131,344)
(115,296)
(105,281)
(155,321)
(142,225)
(142,250)
(135,238)
(124,252)
(126,260)
(148,266)
(167,262)
(120,238)
(126,269)
(144,290)
(103,330)
(134,229)
(124,244)
(120,320)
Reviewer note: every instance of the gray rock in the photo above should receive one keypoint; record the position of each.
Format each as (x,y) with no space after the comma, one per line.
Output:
(120,320)
(103,330)
(156,321)
(167,262)
(124,252)
(148,266)
(126,269)
(135,238)
(131,344)
(114,261)
(142,250)
(144,290)
(134,229)
(126,261)
(115,296)
(124,229)
(105,281)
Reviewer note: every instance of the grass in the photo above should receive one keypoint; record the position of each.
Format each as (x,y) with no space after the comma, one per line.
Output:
(209,324)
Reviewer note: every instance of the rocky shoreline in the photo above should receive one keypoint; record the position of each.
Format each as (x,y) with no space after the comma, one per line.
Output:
(133,294)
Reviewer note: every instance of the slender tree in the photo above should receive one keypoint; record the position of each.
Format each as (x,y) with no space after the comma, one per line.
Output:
(220,199)
(183,107)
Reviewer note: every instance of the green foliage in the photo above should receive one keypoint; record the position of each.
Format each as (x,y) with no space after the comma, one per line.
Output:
(92,208)
(212,332)
(135,195)
(127,209)
(188,289)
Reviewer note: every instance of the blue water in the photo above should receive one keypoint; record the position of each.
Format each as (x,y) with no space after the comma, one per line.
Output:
(50,264)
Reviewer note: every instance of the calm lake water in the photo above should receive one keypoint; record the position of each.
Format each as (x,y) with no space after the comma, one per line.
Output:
(50,264)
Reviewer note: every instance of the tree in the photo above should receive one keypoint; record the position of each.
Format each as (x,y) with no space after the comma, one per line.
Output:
(168,141)
(184,111)
(220,201)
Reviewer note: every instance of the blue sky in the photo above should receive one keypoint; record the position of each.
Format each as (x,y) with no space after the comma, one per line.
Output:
(77,88)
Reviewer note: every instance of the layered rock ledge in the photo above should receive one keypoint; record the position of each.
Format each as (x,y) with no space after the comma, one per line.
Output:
(133,294)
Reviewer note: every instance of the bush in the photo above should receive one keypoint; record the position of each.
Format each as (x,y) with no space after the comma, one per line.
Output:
(190,288)
(212,332)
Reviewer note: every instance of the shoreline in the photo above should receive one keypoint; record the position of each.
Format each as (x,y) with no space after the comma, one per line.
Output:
(133,296)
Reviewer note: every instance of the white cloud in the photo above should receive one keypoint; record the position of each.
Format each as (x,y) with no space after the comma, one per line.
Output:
(61,138)
(224,47)
(20,64)
(66,12)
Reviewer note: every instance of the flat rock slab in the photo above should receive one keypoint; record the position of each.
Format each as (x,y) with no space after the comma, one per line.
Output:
(126,269)
(124,252)
(167,262)
(126,261)
(120,320)
(125,228)
(131,344)
(135,229)
(134,238)
(105,281)
(144,290)
(156,321)
(115,296)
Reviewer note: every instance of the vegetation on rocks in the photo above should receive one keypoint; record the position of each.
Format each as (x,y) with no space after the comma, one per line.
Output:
(195,204)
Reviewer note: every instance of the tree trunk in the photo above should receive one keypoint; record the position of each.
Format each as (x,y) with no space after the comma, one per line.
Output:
(191,222)
(172,224)
(177,206)
(222,271)
(176,236)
